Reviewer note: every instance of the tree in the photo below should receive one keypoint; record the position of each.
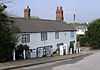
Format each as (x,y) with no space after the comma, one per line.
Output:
(93,34)
(83,40)
(7,35)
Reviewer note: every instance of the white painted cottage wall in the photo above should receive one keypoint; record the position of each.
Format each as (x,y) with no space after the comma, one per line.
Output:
(35,40)
(73,39)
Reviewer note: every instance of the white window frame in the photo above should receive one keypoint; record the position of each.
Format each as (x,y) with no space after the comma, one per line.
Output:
(25,38)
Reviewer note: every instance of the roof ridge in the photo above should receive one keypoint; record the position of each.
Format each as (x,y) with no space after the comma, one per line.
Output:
(36,19)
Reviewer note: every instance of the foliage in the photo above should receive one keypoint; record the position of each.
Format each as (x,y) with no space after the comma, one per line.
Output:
(7,36)
(83,40)
(93,34)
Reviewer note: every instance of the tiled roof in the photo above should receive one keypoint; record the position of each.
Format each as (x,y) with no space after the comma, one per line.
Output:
(40,25)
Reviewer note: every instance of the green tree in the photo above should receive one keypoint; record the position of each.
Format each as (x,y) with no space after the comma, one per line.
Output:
(93,34)
(83,40)
(7,35)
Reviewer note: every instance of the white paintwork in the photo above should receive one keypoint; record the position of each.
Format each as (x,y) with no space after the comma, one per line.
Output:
(70,50)
(35,40)
(66,47)
(73,39)
(78,50)
(24,54)
(33,54)
(13,55)
(81,29)
(61,50)
(80,32)
(40,52)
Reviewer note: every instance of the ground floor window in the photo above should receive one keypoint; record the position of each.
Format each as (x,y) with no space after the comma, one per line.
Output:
(33,53)
(40,52)
(48,50)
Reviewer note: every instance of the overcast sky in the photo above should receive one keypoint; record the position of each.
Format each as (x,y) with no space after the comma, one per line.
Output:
(86,10)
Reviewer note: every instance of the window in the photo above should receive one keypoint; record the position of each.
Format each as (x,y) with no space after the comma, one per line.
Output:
(48,50)
(25,38)
(71,34)
(56,35)
(43,36)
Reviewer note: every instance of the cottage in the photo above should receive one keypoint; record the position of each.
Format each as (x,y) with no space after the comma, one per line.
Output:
(44,37)
(39,37)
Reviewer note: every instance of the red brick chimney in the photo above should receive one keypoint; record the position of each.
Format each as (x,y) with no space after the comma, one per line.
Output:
(59,13)
(27,12)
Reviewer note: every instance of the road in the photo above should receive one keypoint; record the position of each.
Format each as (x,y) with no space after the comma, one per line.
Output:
(91,62)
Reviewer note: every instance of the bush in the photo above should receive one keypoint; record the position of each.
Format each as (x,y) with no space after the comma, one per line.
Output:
(93,34)
(83,41)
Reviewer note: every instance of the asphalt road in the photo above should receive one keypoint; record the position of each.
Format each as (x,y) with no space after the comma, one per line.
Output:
(89,63)
(53,65)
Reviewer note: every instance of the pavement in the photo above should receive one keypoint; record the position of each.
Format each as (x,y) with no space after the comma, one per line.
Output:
(37,61)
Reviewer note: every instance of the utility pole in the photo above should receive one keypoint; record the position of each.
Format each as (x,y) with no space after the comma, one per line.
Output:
(74,15)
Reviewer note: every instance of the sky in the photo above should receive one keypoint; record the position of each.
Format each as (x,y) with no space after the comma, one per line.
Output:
(85,10)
